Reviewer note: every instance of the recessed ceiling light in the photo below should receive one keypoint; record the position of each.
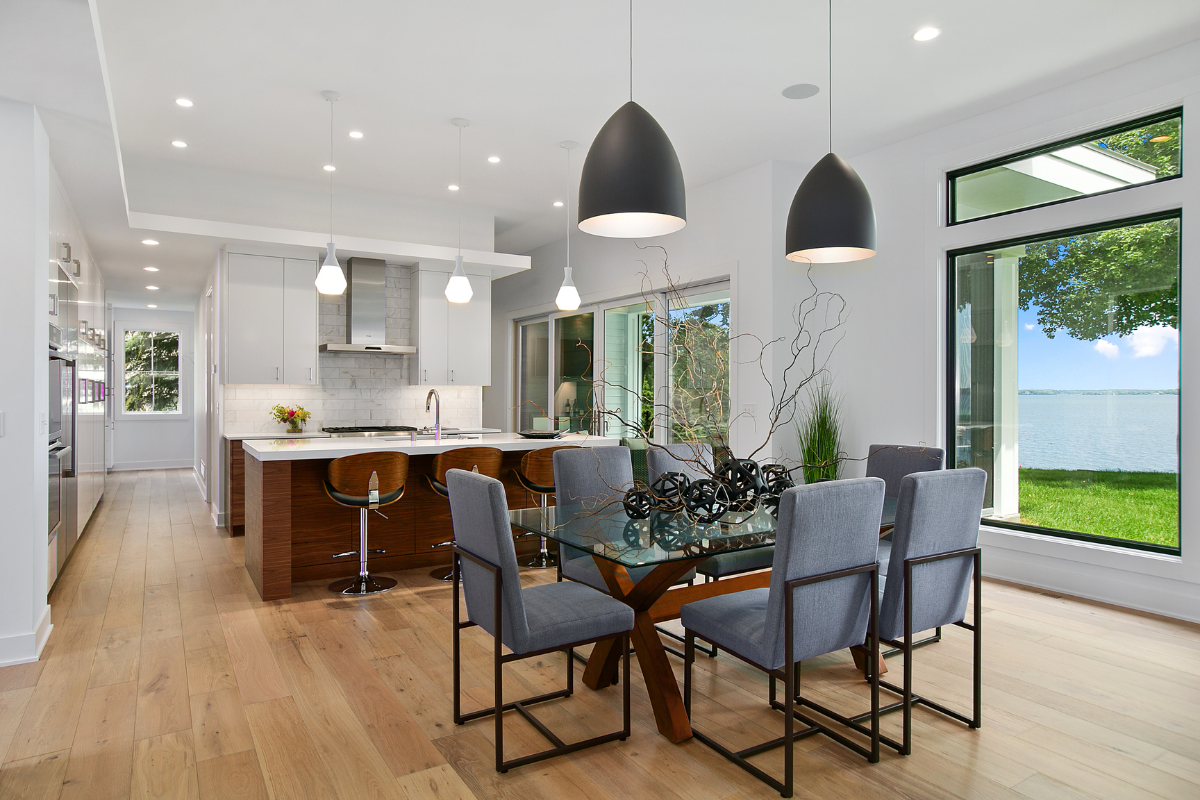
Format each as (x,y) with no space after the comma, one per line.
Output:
(179,143)
(453,187)
(558,203)
(1163,138)
(149,241)
(925,34)
(493,159)
(151,305)
(330,168)
(183,101)
(355,134)
(150,269)
(152,288)
(800,91)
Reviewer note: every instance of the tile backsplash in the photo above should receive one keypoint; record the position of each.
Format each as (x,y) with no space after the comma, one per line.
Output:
(356,389)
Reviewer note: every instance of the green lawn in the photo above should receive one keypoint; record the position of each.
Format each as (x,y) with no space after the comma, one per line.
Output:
(1142,506)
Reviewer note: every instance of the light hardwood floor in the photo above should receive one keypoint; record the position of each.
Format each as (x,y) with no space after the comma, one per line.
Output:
(167,677)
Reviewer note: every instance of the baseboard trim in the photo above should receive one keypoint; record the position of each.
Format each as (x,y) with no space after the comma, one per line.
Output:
(25,648)
(133,466)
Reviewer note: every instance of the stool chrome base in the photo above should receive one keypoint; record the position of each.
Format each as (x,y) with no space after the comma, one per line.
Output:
(543,559)
(363,584)
(441,574)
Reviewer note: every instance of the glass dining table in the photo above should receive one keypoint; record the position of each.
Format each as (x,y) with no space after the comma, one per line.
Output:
(671,545)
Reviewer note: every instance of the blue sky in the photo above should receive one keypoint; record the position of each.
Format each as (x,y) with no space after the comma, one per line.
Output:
(1147,360)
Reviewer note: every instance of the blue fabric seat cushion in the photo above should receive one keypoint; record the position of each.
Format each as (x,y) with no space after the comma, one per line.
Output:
(585,570)
(738,561)
(562,613)
(735,621)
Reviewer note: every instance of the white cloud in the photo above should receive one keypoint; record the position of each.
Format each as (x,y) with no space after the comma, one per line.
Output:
(1029,326)
(1151,341)
(1107,349)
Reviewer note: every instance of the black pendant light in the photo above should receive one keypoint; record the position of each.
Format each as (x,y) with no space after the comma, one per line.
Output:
(631,185)
(831,219)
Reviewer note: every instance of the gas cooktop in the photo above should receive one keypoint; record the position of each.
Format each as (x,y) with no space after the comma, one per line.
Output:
(369,430)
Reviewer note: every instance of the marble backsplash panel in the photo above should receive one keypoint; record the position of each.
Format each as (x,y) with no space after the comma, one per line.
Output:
(356,389)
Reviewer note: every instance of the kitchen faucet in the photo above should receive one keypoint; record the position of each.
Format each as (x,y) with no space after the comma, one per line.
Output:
(435,398)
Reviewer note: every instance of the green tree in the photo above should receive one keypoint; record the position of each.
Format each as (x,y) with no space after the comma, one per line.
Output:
(1108,282)
(151,371)
(1140,144)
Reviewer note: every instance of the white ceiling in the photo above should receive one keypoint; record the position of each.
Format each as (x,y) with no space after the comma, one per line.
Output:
(527,74)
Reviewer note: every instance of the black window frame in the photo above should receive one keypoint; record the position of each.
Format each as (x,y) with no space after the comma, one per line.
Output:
(951,397)
(953,175)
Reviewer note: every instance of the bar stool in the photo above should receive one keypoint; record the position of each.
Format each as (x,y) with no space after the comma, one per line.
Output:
(536,476)
(484,460)
(382,476)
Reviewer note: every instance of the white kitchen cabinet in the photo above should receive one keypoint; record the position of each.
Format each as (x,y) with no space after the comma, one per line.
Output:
(253,319)
(453,339)
(300,317)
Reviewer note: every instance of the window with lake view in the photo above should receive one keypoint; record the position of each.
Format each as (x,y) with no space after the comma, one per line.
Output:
(1064,380)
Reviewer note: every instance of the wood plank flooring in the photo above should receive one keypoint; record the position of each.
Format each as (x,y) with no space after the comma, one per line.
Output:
(166,677)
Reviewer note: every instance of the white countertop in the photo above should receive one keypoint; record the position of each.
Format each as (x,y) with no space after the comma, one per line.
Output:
(298,449)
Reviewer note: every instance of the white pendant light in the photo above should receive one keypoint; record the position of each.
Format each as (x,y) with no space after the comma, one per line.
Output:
(458,289)
(568,295)
(331,279)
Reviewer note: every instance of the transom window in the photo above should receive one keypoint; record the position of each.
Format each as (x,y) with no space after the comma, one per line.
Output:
(1135,153)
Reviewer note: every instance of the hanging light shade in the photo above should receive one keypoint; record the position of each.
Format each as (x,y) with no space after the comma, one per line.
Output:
(831,219)
(458,289)
(568,295)
(632,185)
(331,279)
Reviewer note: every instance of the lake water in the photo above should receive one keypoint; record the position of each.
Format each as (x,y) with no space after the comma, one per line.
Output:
(1129,432)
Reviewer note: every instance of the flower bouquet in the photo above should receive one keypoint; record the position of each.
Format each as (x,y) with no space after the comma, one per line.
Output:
(293,417)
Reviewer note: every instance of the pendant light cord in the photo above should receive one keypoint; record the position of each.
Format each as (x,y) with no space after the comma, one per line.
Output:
(331,171)
(630,55)
(830,128)
(568,208)
(459,203)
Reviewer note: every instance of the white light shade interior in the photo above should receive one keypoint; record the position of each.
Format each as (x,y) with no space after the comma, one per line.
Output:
(568,295)
(331,279)
(459,290)
(632,225)
(830,255)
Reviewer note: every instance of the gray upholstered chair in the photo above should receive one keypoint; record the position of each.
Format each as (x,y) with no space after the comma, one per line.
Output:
(927,580)
(595,477)
(530,622)
(695,460)
(823,596)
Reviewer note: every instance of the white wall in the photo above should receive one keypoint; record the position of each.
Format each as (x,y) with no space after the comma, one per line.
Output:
(891,364)
(25,229)
(156,442)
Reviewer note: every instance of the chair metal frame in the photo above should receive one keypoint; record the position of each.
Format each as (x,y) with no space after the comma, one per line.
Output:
(790,675)
(500,659)
(907,646)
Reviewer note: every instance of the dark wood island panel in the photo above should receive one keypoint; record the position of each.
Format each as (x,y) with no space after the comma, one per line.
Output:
(293,528)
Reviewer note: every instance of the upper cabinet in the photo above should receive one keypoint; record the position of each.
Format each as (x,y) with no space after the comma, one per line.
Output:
(454,340)
(271,311)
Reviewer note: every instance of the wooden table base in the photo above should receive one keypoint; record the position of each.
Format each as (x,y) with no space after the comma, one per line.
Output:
(653,600)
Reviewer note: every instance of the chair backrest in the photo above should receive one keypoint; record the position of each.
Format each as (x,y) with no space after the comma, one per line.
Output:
(937,512)
(487,459)
(593,476)
(479,514)
(824,527)
(350,474)
(694,459)
(893,461)
(538,465)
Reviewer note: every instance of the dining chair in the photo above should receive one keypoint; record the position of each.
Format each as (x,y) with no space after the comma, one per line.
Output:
(822,598)
(553,617)
(928,575)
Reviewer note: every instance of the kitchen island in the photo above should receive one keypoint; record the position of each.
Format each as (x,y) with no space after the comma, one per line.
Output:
(293,528)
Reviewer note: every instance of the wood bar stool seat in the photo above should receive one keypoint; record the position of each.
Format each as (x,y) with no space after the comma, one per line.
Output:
(484,460)
(367,481)
(536,476)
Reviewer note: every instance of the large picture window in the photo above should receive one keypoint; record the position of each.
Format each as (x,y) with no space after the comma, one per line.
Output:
(1138,152)
(151,384)
(1064,380)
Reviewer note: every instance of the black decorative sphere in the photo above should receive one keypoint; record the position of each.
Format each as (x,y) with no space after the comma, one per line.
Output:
(638,504)
(745,481)
(667,491)
(706,500)
(778,479)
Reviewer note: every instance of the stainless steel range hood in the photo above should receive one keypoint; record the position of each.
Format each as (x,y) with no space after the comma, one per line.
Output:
(366,310)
